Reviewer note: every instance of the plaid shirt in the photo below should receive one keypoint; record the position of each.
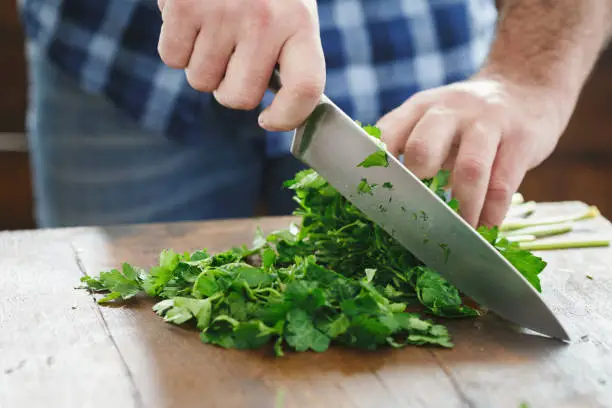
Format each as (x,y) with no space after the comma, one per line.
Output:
(378,53)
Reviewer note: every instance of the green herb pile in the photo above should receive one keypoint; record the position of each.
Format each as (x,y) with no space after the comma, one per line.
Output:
(335,278)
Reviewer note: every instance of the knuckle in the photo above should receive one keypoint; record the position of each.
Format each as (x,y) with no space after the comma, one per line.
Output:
(246,102)
(391,136)
(309,89)
(201,81)
(417,152)
(484,132)
(439,112)
(184,7)
(243,101)
(482,129)
(422,98)
(499,190)
(464,96)
(523,140)
(170,58)
(261,13)
(470,169)
(302,15)
(394,145)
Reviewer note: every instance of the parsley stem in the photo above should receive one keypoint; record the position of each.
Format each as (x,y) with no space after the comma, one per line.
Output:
(589,213)
(546,246)
(401,277)
(341,229)
(268,290)
(540,231)
(521,238)
(521,210)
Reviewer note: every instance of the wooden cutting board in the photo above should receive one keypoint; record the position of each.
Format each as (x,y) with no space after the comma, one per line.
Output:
(59,348)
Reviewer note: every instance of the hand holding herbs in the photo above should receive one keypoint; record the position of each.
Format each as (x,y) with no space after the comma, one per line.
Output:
(335,278)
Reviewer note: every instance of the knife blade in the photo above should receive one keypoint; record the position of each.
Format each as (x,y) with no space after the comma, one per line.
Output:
(333,144)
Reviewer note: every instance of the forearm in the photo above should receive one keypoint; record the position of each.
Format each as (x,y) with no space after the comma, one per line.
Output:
(551,43)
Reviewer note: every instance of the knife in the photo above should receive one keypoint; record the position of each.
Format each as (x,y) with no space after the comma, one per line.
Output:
(333,144)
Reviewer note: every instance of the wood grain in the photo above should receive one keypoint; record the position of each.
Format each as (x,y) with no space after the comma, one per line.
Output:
(493,363)
(55,347)
(173,368)
(496,366)
(127,356)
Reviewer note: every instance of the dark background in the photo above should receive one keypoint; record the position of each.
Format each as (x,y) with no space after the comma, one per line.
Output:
(579,169)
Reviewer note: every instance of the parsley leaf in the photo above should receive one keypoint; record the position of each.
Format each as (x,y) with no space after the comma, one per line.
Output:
(439,296)
(365,188)
(379,157)
(160,275)
(528,264)
(336,278)
(123,284)
(302,334)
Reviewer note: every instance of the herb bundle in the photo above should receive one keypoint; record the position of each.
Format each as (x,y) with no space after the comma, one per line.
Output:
(337,277)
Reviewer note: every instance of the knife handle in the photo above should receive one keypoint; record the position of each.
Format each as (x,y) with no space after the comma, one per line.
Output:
(274,84)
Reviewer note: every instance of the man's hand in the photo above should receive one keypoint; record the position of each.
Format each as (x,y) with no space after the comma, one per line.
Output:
(487,131)
(490,130)
(230,48)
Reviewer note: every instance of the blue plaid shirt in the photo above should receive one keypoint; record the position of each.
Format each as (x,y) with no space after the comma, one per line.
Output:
(378,53)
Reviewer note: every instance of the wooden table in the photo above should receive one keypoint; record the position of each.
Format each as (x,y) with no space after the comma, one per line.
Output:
(58,348)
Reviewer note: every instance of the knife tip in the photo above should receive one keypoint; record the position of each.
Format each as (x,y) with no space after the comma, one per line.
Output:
(556,332)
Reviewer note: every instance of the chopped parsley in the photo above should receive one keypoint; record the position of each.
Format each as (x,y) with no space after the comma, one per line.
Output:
(336,278)
(365,188)
(379,157)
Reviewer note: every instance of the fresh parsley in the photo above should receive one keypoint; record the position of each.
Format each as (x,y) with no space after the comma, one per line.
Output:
(336,278)
(365,188)
(529,265)
(379,157)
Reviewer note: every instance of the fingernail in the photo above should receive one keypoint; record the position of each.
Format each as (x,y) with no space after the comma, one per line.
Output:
(261,120)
